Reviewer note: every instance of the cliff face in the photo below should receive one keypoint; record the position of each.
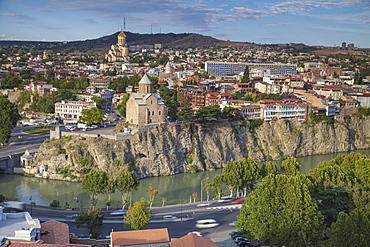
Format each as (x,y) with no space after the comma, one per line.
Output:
(167,150)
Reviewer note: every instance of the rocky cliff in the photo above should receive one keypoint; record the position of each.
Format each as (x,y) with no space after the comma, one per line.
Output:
(172,149)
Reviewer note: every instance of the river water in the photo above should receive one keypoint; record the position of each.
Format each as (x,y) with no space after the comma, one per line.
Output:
(176,189)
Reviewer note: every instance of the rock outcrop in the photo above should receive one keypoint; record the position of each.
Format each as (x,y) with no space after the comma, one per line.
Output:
(172,149)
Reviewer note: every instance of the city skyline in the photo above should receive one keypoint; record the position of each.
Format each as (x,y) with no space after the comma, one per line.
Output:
(312,22)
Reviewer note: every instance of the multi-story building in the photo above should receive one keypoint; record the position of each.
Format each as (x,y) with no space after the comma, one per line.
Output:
(280,109)
(195,96)
(100,84)
(334,92)
(222,69)
(215,98)
(70,111)
(248,109)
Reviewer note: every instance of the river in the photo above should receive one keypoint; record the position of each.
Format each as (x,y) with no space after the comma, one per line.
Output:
(176,189)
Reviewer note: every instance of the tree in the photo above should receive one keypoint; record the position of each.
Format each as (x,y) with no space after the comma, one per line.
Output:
(194,196)
(218,180)
(207,186)
(170,100)
(95,183)
(164,199)
(241,175)
(99,101)
(208,113)
(126,181)
(121,108)
(230,112)
(152,192)
(290,166)
(245,78)
(110,189)
(91,116)
(281,212)
(8,119)
(138,216)
(186,114)
(92,219)
(269,168)
(350,230)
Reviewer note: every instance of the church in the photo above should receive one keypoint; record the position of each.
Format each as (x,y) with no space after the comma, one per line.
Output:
(118,52)
(145,107)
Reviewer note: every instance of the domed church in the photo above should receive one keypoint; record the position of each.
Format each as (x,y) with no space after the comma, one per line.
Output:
(145,107)
(119,51)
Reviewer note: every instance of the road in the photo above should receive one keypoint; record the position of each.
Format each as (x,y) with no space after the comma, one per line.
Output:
(27,141)
(222,213)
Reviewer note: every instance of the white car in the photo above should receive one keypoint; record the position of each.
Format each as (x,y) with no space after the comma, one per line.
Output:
(20,137)
(119,212)
(169,217)
(204,204)
(196,233)
(206,223)
(225,199)
(233,223)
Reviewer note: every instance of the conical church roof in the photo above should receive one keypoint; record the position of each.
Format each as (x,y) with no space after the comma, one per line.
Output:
(121,34)
(145,80)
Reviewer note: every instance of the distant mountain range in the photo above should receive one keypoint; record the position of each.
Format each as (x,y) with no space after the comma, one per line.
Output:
(102,44)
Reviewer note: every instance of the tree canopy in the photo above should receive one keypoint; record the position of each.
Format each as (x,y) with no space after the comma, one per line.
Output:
(281,212)
(92,116)
(95,183)
(138,216)
(126,181)
(8,119)
(92,219)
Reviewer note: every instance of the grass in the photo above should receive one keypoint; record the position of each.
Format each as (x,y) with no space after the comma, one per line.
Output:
(44,130)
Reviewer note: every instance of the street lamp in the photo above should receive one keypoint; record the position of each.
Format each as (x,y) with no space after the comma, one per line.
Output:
(31,204)
(57,199)
(76,202)
(201,189)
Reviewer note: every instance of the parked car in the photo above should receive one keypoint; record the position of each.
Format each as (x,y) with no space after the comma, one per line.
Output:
(225,199)
(204,204)
(233,223)
(196,233)
(235,234)
(119,212)
(20,137)
(169,217)
(208,223)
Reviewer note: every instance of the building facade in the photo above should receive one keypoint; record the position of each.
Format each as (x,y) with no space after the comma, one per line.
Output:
(222,69)
(70,111)
(145,107)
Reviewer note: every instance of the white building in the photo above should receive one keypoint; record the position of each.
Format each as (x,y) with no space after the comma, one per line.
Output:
(70,111)
(279,109)
(18,226)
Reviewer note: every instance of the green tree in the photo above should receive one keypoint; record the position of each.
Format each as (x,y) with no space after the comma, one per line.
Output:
(269,168)
(138,216)
(164,199)
(170,100)
(8,119)
(281,212)
(245,78)
(91,116)
(231,113)
(152,192)
(194,196)
(186,114)
(93,220)
(110,189)
(207,186)
(208,113)
(241,175)
(99,101)
(126,181)
(121,108)
(350,230)
(290,166)
(218,180)
(95,183)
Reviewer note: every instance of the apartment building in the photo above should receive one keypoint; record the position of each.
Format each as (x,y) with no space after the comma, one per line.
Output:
(70,111)
(280,109)
(222,69)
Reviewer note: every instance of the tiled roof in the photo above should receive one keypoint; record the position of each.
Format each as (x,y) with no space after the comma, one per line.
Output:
(56,232)
(140,237)
(192,240)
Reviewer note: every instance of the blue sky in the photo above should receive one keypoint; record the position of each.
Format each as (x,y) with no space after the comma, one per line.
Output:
(312,22)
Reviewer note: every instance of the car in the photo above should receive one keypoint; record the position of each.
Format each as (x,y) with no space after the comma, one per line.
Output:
(204,204)
(225,199)
(119,212)
(73,216)
(235,234)
(169,217)
(20,137)
(238,201)
(233,223)
(208,223)
(196,233)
